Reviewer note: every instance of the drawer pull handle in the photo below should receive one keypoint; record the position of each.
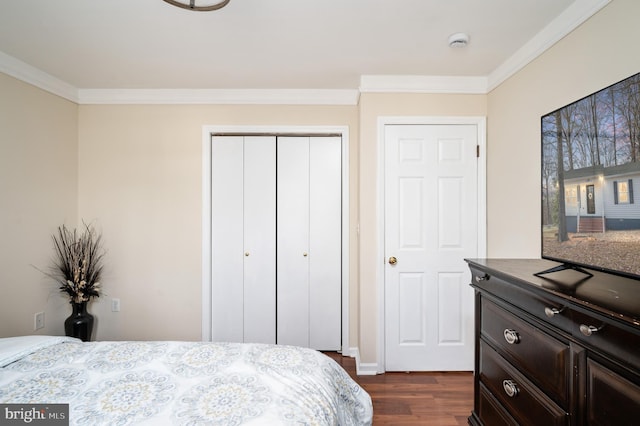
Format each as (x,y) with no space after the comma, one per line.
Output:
(511,336)
(482,278)
(551,312)
(588,330)
(510,388)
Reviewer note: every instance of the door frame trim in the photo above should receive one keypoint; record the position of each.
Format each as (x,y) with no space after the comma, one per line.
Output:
(481,124)
(207,132)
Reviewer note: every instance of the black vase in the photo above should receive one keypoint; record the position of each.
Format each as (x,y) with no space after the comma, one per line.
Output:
(80,323)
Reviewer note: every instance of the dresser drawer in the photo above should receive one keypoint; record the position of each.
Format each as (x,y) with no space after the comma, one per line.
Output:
(551,311)
(607,337)
(611,399)
(541,357)
(491,411)
(527,404)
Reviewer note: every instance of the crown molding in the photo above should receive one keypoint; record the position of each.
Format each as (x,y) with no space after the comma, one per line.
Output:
(32,75)
(422,84)
(576,14)
(220,96)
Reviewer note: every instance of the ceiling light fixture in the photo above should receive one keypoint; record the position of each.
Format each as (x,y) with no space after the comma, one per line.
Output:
(457,40)
(199,5)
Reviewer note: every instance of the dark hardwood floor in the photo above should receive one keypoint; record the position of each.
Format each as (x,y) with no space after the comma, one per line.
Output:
(438,399)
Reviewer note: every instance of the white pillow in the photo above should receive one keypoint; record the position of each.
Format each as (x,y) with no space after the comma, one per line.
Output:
(14,348)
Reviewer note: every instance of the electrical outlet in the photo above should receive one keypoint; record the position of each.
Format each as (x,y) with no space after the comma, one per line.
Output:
(38,321)
(115,305)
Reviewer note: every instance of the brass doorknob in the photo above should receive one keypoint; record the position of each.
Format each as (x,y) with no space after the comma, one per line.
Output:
(393,260)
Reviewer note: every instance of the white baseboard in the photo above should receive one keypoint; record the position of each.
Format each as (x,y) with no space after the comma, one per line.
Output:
(363,369)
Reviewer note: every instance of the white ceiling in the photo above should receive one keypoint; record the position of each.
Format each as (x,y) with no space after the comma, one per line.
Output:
(275,44)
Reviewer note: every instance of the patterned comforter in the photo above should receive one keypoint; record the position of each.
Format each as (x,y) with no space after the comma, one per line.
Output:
(191,383)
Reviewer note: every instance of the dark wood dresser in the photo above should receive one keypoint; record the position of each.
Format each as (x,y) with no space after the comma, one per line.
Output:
(558,350)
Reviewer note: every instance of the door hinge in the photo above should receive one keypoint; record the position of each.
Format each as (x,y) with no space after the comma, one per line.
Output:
(477,151)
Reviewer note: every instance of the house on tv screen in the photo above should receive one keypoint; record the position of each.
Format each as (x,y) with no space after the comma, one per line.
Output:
(599,198)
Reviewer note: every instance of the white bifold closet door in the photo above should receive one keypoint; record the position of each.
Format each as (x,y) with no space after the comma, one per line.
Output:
(276,240)
(309,242)
(243,234)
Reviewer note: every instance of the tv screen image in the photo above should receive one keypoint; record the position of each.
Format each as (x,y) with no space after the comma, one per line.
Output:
(590,171)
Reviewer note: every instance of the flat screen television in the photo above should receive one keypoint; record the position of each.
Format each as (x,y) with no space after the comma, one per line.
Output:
(591,182)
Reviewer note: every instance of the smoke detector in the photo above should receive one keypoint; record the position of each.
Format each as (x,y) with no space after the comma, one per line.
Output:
(458,40)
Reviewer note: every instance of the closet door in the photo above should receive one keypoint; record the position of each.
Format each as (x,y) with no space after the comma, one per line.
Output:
(309,242)
(325,243)
(243,239)
(227,299)
(293,241)
(260,239)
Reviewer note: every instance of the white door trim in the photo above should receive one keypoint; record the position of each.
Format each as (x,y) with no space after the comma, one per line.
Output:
(207,131)
(481,123)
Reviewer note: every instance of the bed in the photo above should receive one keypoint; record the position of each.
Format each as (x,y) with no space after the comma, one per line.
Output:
(191,383)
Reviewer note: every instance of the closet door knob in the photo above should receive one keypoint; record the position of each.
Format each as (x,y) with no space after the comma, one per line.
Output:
(393,260)
(246,253)
(305,254)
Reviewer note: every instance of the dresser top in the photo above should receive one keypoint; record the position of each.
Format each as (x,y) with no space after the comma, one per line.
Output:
(612,295)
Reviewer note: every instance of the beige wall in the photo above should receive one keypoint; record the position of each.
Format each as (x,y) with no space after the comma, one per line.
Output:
(592,57)
(38,192)
(140,171)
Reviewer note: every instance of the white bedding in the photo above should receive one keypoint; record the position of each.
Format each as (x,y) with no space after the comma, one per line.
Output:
(191,383)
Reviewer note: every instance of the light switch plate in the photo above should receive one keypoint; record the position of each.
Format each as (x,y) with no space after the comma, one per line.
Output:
(38,321)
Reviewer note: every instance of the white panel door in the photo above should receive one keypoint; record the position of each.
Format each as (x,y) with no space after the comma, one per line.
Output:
(309,271)
(325,241)
(430,228)
(243,239)
(293,241)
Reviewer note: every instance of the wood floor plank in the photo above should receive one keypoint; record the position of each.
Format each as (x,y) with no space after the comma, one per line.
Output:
(438,399)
